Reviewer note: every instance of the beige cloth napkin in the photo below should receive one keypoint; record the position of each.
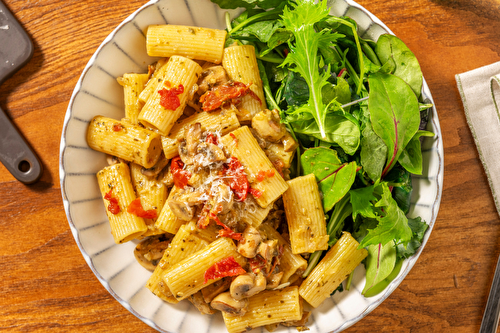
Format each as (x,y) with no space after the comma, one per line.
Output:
(480,92)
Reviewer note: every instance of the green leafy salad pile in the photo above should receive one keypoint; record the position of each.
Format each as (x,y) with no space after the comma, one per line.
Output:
(356,109)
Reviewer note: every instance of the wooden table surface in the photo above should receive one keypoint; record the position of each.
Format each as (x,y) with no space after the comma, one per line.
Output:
(45,284)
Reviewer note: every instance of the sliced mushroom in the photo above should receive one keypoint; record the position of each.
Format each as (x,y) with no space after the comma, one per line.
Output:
(220,286)
(268,249)
(199,302)
(155,169)
(267,124)
(262,143)
(209,153)
(224,302)
(289,143)
(149,252)
(247,285)
(223,196)
(182,203)
(211,77)
(112,160)
(249,243)
(193,136)
(273,281)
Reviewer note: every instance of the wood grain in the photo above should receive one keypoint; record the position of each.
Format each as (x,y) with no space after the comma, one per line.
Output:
(45,284)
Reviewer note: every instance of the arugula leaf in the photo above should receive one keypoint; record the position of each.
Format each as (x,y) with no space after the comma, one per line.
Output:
(379,264)
(393,224)
(394,114)
(334,177)
(411,157)
(304,58)
(407,66)
(362,202)
(418,228)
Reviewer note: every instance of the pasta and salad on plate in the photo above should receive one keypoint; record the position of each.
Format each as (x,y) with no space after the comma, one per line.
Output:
(259,165)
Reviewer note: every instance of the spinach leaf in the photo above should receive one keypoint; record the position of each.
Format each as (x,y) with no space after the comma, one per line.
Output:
(373,153)
(407,66)
(379,264)
(340,130)
(296,91)
(334,178)
(394,114)
(379,287)
(411,157)
(400,180)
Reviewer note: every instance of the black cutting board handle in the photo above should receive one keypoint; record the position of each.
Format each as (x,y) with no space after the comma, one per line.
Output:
(16,49)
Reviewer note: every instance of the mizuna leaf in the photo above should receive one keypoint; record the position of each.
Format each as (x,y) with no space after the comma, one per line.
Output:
(304,58)
(334,177)
(394,114)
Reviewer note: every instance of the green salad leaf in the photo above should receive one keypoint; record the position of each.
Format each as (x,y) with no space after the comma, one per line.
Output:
(304,58)
(394,113)
(334,177)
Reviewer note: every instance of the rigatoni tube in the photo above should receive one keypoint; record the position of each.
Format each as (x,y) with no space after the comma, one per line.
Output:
(117,191)
(240,64)
(334,268)
(267,308)
(242,144)
(190,42)
(305,216)
(179,71)
(124,140)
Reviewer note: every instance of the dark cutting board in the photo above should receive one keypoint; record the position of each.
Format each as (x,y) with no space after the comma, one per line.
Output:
(16,50)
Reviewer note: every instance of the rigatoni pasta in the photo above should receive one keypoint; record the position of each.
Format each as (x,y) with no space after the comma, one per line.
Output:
(229,230)
(180,75)
(243,145)
(266,308)
(190,42)
(305,216)
(133,84)
(241,65)
(117,193)
(334,268)
(187,276)
(124,140)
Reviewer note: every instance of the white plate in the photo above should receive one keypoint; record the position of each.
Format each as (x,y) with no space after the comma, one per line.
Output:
(97,92)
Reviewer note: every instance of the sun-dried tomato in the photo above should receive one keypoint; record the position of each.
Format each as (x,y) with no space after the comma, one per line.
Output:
(117,127)
(229,92)
(226,231)
(181,176)
(212,138)
(113,207)
(169,97)
(238,181)
(225,267)
(255,192)
(257,264)
(136,208)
